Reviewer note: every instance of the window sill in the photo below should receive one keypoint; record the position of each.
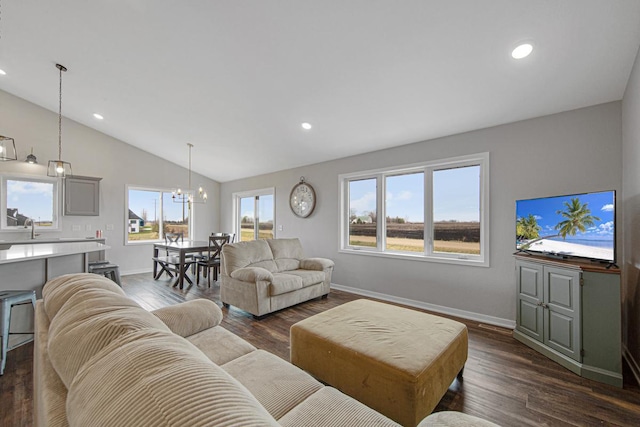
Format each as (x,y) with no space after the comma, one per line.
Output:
(474,262)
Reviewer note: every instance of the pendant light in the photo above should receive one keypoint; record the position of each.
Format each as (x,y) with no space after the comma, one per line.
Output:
(31,158)
(189,195)
(59,168)
(7,149)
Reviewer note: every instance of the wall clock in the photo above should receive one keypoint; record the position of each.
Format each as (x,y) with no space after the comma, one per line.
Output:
(302,199)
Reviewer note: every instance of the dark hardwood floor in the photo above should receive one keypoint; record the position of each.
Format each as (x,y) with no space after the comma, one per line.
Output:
(504,381)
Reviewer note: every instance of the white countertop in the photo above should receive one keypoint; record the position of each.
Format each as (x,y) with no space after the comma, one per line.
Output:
(28,251)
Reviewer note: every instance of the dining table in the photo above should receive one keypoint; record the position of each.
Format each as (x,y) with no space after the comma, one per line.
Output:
(182,248)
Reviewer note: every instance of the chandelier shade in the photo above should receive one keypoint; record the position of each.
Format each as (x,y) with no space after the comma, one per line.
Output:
(7,149)
(59,168)
(189,195)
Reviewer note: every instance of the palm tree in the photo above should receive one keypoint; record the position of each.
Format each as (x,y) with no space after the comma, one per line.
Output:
(527,227)
(578,218)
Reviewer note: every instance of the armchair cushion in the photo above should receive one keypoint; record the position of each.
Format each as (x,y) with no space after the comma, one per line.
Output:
(255,253)
(309,277)
(287,253)
(252,274)
(316,263)
(189,318)
(283,283)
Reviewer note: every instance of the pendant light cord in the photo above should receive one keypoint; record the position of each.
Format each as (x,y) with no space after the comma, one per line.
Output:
(60,67)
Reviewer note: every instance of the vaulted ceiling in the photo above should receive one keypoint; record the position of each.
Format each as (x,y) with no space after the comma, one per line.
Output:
(237,78)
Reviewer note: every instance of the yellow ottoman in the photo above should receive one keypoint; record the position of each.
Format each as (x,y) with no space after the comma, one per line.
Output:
(397,361)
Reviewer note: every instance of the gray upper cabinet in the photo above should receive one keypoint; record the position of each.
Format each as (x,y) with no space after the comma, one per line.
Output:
(82,196)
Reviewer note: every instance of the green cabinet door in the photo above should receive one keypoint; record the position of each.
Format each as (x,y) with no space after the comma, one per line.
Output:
(529,309)
(562,321)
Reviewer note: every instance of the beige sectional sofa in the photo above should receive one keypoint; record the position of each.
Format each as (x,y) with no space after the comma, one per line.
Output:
(102,360)
(263,276)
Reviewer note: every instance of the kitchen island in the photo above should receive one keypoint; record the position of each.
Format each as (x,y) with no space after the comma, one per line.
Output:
(28,265)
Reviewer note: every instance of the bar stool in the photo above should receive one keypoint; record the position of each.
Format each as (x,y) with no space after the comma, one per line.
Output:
(10,299)
(110,271)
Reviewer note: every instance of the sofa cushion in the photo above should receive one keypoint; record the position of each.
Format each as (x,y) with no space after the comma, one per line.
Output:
(287,253)
(220,345)
(278,385)
(248,254)
(190,317)
(156,378)
(88,322)
(57,291)
(329,407)
(283,283)
(309,277)
(252,274)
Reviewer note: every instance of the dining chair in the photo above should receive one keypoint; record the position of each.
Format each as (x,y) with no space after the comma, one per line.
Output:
(212,258)
(170,264)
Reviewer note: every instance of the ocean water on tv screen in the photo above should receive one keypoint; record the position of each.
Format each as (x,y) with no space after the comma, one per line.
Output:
(604,244)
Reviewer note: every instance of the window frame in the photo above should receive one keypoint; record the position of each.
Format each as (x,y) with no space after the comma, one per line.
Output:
(160,239)
(429,167)
(237,196)
(57,202)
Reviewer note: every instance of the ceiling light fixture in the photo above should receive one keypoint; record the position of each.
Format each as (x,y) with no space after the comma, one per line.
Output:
(7,149)
(31,158)
(59,168)
(189,196)
(522,51)
(3,72)
(306,126)
(98,116)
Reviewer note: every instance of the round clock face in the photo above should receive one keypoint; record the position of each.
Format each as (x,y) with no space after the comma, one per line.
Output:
(302,199)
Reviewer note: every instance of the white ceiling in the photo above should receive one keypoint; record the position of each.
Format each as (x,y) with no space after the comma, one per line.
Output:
(236,78)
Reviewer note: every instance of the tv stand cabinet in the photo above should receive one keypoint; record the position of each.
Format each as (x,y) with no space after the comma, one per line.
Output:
(570,312)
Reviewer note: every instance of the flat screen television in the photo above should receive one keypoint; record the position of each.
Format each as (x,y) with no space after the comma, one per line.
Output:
(575,225)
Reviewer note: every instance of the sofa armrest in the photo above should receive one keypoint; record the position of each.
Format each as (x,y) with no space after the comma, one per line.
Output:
(190,317)
(316,263)
(252,274)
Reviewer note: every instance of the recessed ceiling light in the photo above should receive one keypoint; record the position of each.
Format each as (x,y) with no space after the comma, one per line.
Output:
(3,72)
(522,51)
(98,116)
(306,126)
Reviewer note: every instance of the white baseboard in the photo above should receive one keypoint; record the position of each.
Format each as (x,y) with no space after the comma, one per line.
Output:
(469,315)
(633,364)
(130,272)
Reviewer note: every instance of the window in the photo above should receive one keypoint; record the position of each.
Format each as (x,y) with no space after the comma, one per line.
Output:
(33,198)
(434,211)
(152,212)
(254,214)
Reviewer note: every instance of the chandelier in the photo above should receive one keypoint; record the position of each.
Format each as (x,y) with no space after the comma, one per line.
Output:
(189,195)
(59,168)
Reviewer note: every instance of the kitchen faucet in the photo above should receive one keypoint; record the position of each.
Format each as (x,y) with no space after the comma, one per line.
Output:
(33,228)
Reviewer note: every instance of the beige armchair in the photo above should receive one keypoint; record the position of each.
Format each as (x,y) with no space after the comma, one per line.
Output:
(263,276)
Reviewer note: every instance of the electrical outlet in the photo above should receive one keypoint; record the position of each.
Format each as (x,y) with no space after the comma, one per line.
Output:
(76,227)
(280,228)
(88,227)
(109,227)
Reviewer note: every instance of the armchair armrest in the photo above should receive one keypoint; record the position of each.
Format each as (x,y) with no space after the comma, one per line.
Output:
(189,318)
(316,263)
(252,274)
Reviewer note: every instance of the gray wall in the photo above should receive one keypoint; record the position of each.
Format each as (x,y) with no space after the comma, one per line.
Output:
(571,152)
(92,153)
(631,200)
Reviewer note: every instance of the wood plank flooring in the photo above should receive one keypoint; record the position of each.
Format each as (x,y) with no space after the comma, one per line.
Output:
(504,381)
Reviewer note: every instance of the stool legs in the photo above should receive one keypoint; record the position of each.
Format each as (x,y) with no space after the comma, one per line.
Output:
(6,324)
(8,303)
